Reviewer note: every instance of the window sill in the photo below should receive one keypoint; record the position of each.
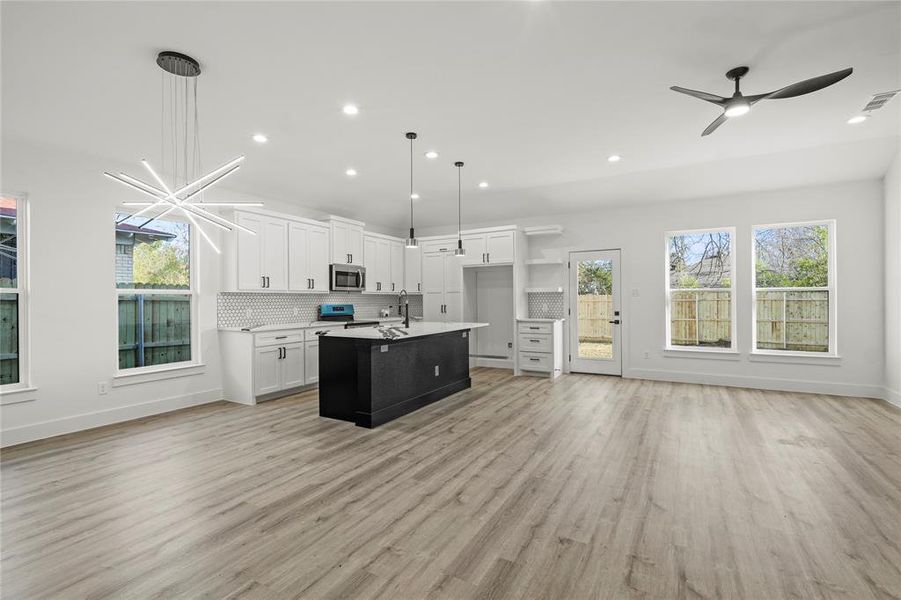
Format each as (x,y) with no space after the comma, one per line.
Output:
(801,358)
(725,354)
(15,395)
(149,374)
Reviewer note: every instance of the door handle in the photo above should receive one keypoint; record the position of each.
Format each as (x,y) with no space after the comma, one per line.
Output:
(262,281)
(488,257)
(312,284)
(418,287)
(483,257)
(614,321)
(351,258)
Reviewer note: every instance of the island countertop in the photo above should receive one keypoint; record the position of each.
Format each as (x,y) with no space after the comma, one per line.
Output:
(416,329)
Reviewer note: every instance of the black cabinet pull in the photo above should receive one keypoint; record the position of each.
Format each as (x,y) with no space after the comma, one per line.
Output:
(536,341)
(535,359)
(488,257)
(312,284)
(614,321)
(281,337)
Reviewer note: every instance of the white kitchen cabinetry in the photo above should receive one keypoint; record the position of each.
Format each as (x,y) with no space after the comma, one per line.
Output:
(413,269)
(262,259)
(540,345)
(308,258)
(278,368)
(396,260)
(384,261)
(442,285)
(494,247)
(346,241)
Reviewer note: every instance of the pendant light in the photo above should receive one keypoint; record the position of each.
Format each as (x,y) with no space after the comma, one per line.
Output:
(181,88)
(412,242)
(459,252)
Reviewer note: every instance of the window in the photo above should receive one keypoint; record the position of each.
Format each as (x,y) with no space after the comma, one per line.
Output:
(700,308)
(794,295)
(155,289)
(13,290)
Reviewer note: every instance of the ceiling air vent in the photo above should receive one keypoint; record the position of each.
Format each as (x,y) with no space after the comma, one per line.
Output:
(879,100)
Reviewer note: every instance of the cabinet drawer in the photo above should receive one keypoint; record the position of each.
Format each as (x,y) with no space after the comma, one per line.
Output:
(532,327)
(532,361)
(536,342)
(278,338)
(312,334)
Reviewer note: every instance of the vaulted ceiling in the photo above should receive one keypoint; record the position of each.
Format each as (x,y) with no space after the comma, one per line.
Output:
(533,96)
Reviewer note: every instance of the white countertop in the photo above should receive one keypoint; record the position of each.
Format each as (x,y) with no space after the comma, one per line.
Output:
(417,329)
(540,320)
(306,325)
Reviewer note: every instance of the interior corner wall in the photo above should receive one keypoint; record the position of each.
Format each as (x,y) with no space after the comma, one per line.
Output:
(638,230)
(892,197)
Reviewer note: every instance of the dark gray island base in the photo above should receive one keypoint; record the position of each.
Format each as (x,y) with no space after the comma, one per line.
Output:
(369,380)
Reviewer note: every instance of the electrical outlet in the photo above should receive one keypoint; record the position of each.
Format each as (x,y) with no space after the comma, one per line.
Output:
(647,354)
(247,313)
(635,293)
(296,311)
(103,388)
(436,370)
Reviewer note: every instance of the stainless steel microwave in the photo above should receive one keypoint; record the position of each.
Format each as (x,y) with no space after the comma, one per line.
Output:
(347,278)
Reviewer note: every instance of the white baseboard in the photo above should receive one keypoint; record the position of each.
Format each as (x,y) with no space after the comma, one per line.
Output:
(46,429)
(891,396)
(760,383)
(496,363)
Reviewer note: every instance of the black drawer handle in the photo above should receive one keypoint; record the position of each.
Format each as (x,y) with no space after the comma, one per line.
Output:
(281,337)
(535,359)
(536,341)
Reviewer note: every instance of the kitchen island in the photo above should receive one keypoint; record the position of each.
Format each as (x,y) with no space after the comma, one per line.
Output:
(370,376)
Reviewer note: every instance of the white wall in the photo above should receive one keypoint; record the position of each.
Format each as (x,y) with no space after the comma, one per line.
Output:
(893,281)
(73,304)
(639,232)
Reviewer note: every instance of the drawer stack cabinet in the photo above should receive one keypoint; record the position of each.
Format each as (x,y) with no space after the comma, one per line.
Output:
(540,346)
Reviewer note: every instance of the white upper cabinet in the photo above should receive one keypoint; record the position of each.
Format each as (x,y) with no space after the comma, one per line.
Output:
(496,247)
(370,255)
(308,260)
(396,274)
(442,286)
(347,241)
(384,261)
(262,259)
(413,269)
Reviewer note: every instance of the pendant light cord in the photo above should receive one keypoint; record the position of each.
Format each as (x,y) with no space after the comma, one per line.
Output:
(411,183)
(459,203)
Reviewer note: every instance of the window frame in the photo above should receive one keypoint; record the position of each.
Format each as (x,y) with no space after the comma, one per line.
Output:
(830,289)
(668,345)
(187,367)
(22,290)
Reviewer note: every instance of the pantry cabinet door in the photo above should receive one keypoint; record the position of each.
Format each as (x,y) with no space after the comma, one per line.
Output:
(317,257)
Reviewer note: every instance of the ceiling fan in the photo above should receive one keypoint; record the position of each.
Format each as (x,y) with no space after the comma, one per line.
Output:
(738,104)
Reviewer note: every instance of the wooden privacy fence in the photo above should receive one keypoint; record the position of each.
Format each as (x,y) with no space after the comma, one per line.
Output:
(786,320)
(9,338)
(154,329)
(595,314)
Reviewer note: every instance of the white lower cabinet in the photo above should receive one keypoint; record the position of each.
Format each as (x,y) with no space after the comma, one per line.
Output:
(311,362)
(540,346)
(278,368)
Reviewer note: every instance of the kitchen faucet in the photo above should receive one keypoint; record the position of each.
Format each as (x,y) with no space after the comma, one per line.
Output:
(402,297)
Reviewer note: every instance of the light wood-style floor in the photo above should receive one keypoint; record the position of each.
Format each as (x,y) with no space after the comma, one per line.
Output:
(584,487)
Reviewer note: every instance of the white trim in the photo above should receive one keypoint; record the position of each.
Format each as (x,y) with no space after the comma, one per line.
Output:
(23,291)
(701,352)
(796,357)
(891,396)
(733,303)
(54,427)
(19,394)
(759,383)
(830,289)
(157,373)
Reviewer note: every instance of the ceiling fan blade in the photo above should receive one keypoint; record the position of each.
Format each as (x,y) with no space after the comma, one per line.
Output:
(701,95)
(712,127)
(807,86)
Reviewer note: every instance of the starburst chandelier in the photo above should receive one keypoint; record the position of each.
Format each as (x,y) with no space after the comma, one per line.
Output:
(179,95)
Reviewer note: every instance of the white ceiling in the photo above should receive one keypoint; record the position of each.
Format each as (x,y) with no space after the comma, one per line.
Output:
(531,95)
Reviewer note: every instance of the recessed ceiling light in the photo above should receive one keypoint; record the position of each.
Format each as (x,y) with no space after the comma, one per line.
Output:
(483,184)
(614,158)
(259,138)
(857,119)
(350,109)
(431,154)
(351,172)
(414,196)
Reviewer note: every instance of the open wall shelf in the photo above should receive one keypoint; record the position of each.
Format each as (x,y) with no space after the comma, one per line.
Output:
(543,230)
(544,261)
(544,290)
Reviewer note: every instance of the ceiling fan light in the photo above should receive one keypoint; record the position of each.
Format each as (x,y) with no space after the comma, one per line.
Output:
(737,109)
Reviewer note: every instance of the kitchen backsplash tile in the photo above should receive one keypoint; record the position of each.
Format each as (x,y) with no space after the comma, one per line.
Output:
(546,305)
(236,309)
